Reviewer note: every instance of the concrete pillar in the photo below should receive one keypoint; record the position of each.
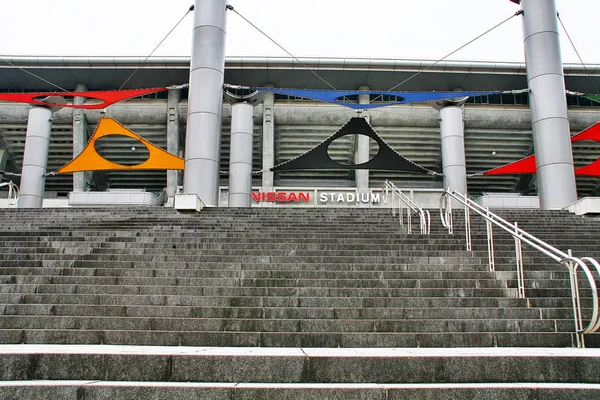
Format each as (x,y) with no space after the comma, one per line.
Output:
(35,158)
(173,138)
(240,159)
(80,139)
(205,102)
(362,148)
(452,131)
(3,159)
(550,124)
(268,140)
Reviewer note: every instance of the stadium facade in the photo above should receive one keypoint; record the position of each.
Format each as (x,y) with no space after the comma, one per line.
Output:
(497,128)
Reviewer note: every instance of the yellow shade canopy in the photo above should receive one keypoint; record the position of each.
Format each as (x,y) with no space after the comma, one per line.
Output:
(90,160)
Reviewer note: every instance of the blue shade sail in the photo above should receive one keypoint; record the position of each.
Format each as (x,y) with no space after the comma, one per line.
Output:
(391,98)
(386,159)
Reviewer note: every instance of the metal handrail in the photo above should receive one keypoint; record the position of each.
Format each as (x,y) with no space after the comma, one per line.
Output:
(13,192)
(520,236)
(424,215)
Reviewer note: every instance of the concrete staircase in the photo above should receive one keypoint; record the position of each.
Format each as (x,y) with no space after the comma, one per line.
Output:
(282,303)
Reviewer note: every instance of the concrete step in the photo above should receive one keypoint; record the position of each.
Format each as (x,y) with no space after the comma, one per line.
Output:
(271,301)
(293,339)
(56,286)
(174,276)
(257,258)
(298,365)
(118,390)
(341,326)
(296,252)
(178,246)
(187,268)
(361,292)
(194,240)
(284,312)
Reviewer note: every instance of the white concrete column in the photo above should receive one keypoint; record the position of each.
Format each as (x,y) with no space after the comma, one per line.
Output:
(268,140)
(240,158)
(173,138)
(205,102)
(80,139)
(550,124)
(452,131)
(35,158)
(362,148)
(3,159)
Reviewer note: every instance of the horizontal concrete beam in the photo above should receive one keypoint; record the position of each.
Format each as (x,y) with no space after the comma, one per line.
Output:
(419,116)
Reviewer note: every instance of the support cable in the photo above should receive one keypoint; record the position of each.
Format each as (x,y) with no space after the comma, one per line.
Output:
(230,7)
(157,46)
(32,74)
(460,48)
(577,52)
(9,173)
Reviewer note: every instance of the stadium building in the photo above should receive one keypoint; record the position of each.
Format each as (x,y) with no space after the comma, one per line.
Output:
(497,127)
(271,290)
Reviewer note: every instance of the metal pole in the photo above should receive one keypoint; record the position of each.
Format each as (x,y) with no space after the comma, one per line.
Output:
(240,161)
(205,102)
(35,158)
(550,124)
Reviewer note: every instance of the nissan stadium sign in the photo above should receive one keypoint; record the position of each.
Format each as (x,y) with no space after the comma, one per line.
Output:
(323,197)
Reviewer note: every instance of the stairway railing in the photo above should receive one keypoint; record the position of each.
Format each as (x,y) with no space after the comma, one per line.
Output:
(520,236)
(424,215)
(13,192)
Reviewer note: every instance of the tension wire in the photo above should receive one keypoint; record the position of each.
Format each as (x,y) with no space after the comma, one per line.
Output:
(577,52)
(281,47)
(460,48)
(32,74)
(157,46)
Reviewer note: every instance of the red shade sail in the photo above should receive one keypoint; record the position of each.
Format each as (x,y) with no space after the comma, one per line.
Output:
(527,165)
(102,99)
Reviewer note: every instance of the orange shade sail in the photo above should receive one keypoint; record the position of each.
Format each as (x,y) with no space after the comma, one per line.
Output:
(90,160)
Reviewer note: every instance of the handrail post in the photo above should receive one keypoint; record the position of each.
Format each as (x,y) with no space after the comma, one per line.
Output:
(428,226)
(519,262)
(446,212)
(400,215)
(594,319)
(387,191)
(468,228)
(576,299)
(409,219)
(490,241)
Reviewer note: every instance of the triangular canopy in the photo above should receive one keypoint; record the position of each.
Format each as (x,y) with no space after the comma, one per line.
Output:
(90,160)
(318,157)
(593,97)
(527,165)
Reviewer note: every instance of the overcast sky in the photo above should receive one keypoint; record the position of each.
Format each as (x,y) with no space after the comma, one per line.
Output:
(393,29)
